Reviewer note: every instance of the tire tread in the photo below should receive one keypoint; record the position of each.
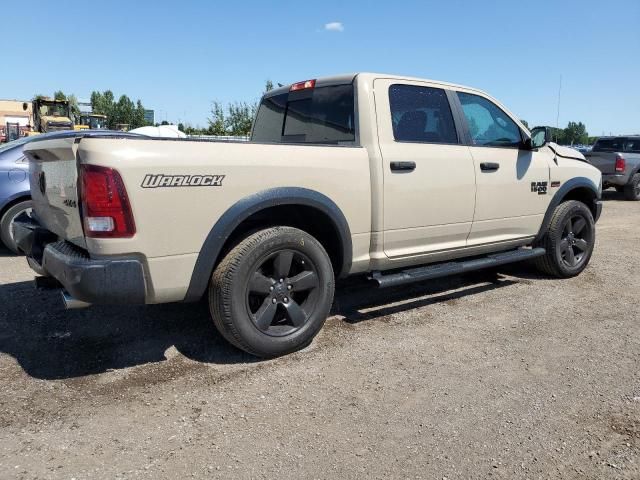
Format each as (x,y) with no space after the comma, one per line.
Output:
(630,188)
(224,275)
(547,263)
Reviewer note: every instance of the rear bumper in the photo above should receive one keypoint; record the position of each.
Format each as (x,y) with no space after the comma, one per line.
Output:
(614,179)
(98,281)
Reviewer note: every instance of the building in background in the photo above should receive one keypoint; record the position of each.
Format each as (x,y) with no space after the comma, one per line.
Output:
(150,117)
(12,112)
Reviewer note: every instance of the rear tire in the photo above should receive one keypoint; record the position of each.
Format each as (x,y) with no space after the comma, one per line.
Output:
(569,241)
(632,189)
(6,235)
(272,293)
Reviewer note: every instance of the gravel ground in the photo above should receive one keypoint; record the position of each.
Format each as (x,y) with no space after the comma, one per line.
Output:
(508,375)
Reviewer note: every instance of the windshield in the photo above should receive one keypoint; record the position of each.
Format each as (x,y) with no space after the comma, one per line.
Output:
(93,121)
(97,122)
(14,144)
(53,110)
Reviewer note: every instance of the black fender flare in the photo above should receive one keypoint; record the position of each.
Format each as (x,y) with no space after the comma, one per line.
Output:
(563,191)
(243,209)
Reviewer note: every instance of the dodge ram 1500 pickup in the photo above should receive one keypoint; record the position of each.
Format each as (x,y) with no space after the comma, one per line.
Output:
(399,178)
(618,158)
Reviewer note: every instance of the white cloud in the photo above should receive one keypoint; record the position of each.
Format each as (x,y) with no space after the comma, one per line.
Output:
(334,27)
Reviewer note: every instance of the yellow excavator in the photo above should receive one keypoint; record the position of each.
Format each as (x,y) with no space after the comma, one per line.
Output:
(49,115)
(91,121)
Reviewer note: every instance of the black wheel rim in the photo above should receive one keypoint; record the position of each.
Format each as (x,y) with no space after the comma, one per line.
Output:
(576,241)
(282,292)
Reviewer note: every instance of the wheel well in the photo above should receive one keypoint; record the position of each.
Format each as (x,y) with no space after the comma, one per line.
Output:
(584,195)
(309,219)
(13,202)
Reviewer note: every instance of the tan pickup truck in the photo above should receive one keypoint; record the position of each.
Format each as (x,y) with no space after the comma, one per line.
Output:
(399,178)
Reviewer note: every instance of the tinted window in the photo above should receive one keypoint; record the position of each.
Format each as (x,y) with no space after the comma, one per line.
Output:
(421,114)
(608,145)
(632,145)
(488,124)
(319,115)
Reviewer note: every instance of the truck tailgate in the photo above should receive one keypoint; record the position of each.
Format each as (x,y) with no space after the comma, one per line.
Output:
(54,186)
(603,161)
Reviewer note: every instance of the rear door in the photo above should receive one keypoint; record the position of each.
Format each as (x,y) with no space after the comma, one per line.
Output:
(429,178)
(513,188)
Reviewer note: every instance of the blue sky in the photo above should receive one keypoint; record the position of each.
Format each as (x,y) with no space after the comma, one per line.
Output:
(179,56)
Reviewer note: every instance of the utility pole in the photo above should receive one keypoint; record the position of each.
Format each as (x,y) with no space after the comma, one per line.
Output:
(558,114)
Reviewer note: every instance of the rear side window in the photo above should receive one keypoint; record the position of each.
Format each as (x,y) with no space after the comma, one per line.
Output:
(421,114)
(488,124)
(608,145)
(317,115)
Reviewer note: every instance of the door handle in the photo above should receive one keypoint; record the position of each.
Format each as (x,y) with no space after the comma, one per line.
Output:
(489,166)
(403,166)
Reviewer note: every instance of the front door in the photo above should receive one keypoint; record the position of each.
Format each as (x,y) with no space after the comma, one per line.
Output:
(429,178)
(512,182)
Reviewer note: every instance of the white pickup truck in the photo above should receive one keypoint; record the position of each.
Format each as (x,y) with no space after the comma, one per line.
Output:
(401,178)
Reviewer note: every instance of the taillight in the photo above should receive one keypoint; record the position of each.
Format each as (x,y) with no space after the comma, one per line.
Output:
(303,85)
(105,206)
(621,163)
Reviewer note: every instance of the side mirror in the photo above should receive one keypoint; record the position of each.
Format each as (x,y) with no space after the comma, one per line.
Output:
(540,136)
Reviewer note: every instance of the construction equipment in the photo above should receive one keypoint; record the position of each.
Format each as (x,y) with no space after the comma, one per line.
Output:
(50,115)
(91,121)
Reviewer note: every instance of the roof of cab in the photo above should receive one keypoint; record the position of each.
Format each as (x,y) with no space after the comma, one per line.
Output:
(347,78)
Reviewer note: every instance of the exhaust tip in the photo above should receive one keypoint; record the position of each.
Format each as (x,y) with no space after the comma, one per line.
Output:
(71,303)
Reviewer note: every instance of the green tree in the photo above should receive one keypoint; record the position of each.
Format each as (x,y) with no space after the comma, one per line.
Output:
(525,123)
(217,121)
(240,118)
(124,111)
(138,117)
(576,132)
(236,119)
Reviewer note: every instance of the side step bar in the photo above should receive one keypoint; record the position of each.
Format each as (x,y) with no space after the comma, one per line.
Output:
(439,270)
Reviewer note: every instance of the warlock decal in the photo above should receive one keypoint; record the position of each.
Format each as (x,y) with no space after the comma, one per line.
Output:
(160,180)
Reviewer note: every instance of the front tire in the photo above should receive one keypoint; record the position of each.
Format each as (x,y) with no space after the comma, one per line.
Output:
(632,189)
(569,241)
(6,233)
(272,293)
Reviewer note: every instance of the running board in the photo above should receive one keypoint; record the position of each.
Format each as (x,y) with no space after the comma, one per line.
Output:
(430,272)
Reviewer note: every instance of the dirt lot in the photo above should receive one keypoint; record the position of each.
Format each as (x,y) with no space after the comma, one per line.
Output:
(514,376)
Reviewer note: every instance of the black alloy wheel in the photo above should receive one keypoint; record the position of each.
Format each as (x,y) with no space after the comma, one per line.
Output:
(282,292)
(576,240)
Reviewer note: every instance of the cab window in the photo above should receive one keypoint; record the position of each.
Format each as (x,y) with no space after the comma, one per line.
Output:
(421,114)
(488,124)
(323,115)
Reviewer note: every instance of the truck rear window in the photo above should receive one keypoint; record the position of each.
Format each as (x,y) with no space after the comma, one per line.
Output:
(608,145)
(318,115)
